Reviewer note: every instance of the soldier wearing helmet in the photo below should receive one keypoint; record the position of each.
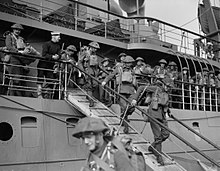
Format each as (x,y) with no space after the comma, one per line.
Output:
(120,60)
(150,96)
(126,84)
(15,43)
(68,55)
(105,69)
(139,69)
(172,70)
(121,57)
(91,86)
(139,65)
(93,58)
(93,132)
(161,71)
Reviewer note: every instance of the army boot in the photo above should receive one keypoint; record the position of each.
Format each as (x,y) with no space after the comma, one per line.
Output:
(91,103)
(158,154)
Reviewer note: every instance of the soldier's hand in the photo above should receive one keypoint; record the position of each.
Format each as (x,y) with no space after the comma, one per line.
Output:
(133,102)
(103,83)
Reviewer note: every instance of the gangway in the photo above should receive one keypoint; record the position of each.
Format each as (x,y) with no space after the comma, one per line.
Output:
(77,98)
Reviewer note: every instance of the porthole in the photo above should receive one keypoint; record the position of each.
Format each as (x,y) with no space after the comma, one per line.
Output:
(6,131)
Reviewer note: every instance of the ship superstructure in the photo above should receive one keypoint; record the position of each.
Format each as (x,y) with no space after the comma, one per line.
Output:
(35,133)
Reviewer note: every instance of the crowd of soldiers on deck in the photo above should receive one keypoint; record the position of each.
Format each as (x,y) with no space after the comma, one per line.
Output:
(136,82)
(202,85)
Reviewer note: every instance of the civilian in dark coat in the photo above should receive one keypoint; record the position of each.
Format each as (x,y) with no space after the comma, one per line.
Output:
(51,52)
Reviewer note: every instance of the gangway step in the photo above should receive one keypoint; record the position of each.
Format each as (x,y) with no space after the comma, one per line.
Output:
(113,120)
(141,142)
(140,120)
(112,124)
(108,116)
(98,108)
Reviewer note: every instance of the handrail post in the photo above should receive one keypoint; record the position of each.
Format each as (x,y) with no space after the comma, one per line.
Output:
(105,29)
(76,16)
(41,11)
(65,80)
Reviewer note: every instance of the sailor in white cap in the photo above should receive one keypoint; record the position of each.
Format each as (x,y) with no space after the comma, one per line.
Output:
(51,52)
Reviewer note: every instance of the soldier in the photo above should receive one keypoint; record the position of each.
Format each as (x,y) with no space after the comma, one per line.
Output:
(204,89)
(186,86)
(218,88)
(138,70)
(119,61)
(91,86)
(51,52)
(212,87)
(161,71)
(15,43)
(90,52)
(105,69)
(172,72)
(69,56)
(157,109)
(126,87)
(94,133)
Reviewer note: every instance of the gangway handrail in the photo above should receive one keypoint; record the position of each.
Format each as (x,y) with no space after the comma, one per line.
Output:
(155,120)
(198,134)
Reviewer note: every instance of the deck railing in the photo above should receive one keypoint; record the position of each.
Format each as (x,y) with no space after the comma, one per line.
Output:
(92,20)
(184,95)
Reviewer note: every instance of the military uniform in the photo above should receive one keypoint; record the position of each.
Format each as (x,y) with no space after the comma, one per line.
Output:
(126,82)
(68,55)
(93,69)
(139,69)
(157,111)
(160,71)
(172,72)
(111,157)
(15,43)
(104,71)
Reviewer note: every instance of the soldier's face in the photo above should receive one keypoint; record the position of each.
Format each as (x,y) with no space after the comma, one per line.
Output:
(162,65)
(93,49)
(16,31)
(56,38)
(105,63)
(90,142)
(139,62)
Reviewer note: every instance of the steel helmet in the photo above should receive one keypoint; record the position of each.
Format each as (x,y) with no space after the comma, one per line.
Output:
(163,61)
(105,59)
(17,26)
(71,47)
(121,54)
(211,72)
(185,68)
(139,59)
(89,124)
(94,44)
(205,69)
(172,63)
(129,59)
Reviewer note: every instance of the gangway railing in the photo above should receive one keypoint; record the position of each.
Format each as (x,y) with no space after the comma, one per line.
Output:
(196,97)
(143,111)
(159,123)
